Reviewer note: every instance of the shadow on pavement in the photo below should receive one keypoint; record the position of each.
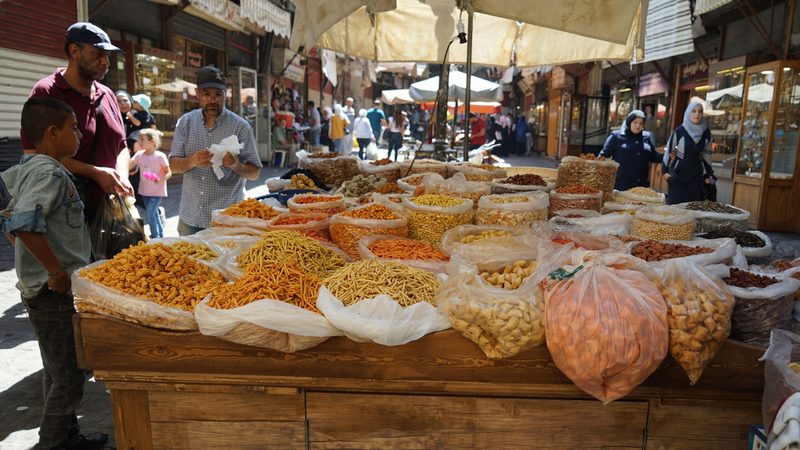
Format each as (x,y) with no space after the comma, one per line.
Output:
(15,326)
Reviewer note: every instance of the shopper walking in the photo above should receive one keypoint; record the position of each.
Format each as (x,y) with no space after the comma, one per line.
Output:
(154,170)
(397,127)
(521,135)
(632,147)
(195,133)
(687,158)
(338,131)
(314,123)
(102,161)
(45,216)
(377,119)
(363,132)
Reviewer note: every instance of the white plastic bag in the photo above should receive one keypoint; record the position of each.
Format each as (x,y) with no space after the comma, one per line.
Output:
(493,235)
(780,381)
(266,323)
(381,319)
(218,151)
(372,151)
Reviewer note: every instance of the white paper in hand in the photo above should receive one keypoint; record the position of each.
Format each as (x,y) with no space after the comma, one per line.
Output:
(228,145)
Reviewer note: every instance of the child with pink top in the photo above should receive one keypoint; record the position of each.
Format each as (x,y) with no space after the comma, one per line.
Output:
(154,167)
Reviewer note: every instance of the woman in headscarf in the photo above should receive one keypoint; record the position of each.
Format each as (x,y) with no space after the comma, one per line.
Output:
(363,132)
(687,158)
(338,129)
(633,149)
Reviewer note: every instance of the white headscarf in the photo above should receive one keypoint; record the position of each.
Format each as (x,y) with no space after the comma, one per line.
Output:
(695,130)
(626,124)
(362,112)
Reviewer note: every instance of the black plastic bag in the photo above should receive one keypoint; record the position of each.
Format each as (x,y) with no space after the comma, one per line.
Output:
(114,228)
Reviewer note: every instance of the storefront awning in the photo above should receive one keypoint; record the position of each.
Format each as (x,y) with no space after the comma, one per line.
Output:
(669,30)
(228,15)
(268,16)
(705,6)
(222,13)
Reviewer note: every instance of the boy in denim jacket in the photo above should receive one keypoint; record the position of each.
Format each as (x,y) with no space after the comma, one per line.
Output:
(45,222)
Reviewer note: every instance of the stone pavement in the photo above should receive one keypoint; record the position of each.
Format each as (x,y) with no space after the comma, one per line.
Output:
(21,376)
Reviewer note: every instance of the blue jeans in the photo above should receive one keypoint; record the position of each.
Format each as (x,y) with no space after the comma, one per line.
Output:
(151,211)
(314,134)
(395,142)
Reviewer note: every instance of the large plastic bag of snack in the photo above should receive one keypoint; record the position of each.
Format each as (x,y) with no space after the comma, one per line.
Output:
(273,307)
(431,215)
(781,373)
(410,167)
(560,201)
(152,285)
(197,248)
(641,195)
(712,216)
(311,224)
(621,208)
(350,226)
(382,301)
(249,213)
(459,186)
(478,172)
(411,252)
(607,325)
(329,168)
(662,223)
(582,244)
(413,183)
(703,252)
(499,303)
(391,201)
(753,243)
(474,241)
(317,203)
(763,303)
(699,306)
(601,225)
(600,174)
(511,210)
(521,183)
(385,168)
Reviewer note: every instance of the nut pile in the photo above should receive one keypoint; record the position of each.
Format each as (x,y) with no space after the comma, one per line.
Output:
(597,173)
(509,276)
(591,157)
(743,238)
(577,189)
(486,234)
(526,179)
(480,172)
(745,279)
(331,170)
(650,250)
(709,206)
(575,196)
(430,223)
(361,184)
(328,155)
(663,223)
(639,195)
(498,214)
(699,318)
(502,327)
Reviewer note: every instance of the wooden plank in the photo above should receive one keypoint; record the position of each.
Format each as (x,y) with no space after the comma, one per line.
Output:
(131,419)
(389,421)
(194,406)
(229,435)
(681,424)
(514,423)
(434,363)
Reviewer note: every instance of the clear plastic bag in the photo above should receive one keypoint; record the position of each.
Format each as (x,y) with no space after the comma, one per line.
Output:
(411,167)
(459,186)
(607,326)
(498,187)
(475,172)
(331,171)
(301,204)
(266,323)
(347,231)
(699,312)
(663,222)
(600,174)
(431,265)
(630,196)
(426,180)
(498,209)
(311,224)
(708,221)
(381,319)
(759,310)
(559,202)
(502,322)
(603,224)
(490,236)
(780,380)
(724,252)
(621,208)
(389,171)
(429,223)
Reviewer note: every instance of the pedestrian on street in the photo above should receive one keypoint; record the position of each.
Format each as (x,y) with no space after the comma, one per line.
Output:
(477,132)
(363,131)
(338,131)
(155,171)
(687,159)
(521,135)
(314,123)
(195,133)
(632,147)
(397,127)
(101,163)
(45,216)
(350,112)
(377,119)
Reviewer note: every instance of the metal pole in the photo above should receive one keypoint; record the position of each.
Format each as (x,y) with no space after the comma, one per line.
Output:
(440,136)
(468,94)
(455,122)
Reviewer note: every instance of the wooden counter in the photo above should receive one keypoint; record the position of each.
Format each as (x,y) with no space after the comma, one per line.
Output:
(186,390)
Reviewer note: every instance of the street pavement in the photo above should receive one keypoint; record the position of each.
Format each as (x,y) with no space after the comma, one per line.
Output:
(21,376)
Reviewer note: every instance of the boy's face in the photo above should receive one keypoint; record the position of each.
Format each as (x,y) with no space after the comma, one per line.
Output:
(68,137)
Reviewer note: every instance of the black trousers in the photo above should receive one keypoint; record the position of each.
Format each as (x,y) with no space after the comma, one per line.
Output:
(51,314)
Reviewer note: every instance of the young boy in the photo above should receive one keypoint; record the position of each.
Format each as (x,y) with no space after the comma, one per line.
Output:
(45,216)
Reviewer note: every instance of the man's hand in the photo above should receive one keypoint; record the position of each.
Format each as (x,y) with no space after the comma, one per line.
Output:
(229,160)
(59,282)
(666,176)
(201,158)
(111,183)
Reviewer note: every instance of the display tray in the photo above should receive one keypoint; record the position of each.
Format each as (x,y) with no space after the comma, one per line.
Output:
(186,390)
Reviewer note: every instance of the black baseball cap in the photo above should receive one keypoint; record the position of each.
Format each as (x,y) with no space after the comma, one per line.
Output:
(211,77)
(87,33)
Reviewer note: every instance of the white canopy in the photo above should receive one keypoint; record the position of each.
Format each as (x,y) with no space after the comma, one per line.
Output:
(543,32)
(482,90)
(396,97)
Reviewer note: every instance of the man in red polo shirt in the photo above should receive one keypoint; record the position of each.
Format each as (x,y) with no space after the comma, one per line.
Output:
(103,158)
(477,132)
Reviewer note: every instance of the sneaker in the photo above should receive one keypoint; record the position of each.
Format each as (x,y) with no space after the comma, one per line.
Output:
(90,442)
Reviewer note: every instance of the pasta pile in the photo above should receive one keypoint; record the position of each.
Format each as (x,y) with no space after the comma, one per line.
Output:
(195,250)
(284,281)
(284,245)
(407,249)
(158,273)
(368,278)
(251,208)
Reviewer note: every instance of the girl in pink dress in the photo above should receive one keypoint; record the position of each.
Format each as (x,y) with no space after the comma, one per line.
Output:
(154,167)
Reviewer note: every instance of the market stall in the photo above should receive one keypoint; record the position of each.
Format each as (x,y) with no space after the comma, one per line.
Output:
(180,390)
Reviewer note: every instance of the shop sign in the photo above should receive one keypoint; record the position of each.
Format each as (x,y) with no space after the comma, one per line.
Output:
(651,84)
(294,71)
(695,71)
